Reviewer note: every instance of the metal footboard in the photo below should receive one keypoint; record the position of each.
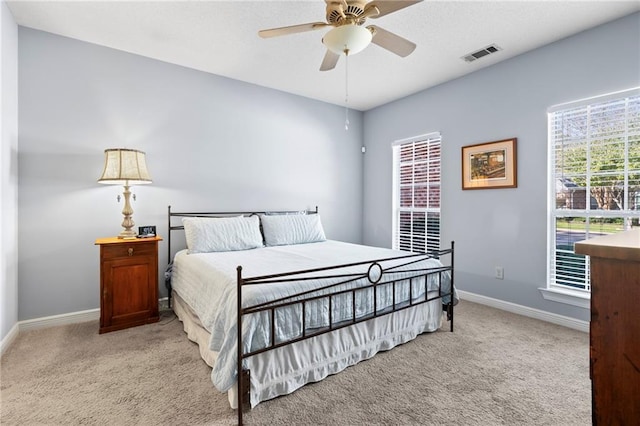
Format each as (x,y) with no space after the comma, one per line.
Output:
(375,275)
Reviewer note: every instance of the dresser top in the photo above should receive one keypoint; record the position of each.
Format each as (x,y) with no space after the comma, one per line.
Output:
(623,245)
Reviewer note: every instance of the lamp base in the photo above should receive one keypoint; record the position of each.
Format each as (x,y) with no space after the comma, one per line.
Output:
(127,235)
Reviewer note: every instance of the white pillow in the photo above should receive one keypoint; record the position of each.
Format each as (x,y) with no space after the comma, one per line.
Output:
(292,229)
(206,234)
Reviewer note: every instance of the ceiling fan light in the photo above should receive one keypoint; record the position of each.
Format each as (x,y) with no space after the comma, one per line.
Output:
(352,38)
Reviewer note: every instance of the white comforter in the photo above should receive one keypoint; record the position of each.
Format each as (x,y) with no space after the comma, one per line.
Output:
(207,282)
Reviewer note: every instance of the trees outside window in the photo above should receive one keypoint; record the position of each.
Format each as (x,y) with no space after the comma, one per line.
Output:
(595,178)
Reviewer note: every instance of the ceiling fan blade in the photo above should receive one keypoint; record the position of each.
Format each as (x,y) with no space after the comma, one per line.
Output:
(392,42)
(386,7)
(330,60)
(275,32)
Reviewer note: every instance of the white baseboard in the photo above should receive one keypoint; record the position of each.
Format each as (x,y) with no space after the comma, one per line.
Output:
(62,319)
(9,338)
(565,321)
(51,321)
(163,303)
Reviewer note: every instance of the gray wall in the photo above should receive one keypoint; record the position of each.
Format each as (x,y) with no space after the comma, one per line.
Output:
(499,227)
(216,143)
(212,143)
(8,172)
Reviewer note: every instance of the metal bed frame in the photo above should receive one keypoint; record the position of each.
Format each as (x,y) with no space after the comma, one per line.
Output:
(375,275)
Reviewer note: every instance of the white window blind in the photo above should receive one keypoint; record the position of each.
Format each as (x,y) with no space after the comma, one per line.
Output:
(416,195)
(595,179)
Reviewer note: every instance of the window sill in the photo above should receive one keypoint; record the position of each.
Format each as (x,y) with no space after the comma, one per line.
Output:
(568,297)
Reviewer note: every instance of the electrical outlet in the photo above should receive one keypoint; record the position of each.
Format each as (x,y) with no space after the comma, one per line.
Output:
(499,272)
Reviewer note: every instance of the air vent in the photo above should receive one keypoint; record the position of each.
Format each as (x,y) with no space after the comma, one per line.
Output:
(481,53)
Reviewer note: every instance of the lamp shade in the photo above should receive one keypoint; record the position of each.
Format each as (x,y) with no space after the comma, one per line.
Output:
(348,39)
(124,167)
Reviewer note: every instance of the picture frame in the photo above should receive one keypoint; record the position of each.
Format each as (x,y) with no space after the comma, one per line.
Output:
(146,231)
(490,165)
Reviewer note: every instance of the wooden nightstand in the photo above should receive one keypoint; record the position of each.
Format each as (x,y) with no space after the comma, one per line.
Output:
(128,282)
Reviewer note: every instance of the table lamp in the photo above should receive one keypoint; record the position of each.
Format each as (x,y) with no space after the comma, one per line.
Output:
(125,167)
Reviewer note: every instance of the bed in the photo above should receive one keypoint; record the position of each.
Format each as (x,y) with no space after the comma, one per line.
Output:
(308,307)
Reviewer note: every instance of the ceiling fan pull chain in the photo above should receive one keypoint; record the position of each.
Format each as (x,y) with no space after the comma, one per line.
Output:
(346,90)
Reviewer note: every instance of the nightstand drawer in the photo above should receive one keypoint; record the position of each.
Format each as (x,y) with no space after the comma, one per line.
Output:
(128,250)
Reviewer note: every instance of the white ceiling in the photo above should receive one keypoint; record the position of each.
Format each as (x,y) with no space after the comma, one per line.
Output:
(221,37)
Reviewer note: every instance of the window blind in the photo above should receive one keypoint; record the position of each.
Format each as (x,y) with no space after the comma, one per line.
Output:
(594,179)
(416,200)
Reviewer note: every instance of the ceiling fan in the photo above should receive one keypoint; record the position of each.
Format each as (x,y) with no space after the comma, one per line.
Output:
(349,35)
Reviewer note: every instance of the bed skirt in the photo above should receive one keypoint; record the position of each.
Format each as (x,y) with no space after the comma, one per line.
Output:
(314,359)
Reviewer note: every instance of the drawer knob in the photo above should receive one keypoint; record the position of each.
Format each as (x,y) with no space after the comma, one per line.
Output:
(130,251)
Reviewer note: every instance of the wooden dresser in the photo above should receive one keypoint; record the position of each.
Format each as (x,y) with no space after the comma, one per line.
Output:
(128,282)
(615,327)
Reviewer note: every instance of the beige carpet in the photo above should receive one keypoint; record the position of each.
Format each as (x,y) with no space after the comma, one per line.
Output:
(495,369)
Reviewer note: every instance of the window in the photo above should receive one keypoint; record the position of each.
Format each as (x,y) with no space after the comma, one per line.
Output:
(416,194)
(594,180)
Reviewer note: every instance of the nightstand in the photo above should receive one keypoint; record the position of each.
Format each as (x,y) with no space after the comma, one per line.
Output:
(128,282)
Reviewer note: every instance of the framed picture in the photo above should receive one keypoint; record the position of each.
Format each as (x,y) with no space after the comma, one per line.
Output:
(490,165)
(146,231)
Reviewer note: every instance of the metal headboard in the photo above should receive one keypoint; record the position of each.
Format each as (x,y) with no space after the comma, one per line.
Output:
(180,227)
